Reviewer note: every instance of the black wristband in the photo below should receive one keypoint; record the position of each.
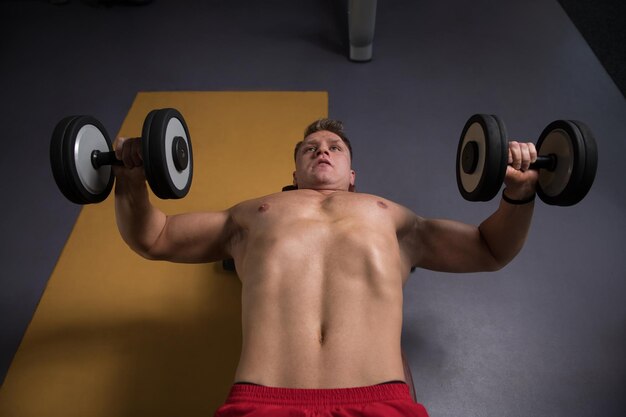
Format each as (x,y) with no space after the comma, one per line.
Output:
(518,202)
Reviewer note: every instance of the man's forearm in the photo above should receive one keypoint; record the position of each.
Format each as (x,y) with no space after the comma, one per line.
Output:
(506,230)
(138,221)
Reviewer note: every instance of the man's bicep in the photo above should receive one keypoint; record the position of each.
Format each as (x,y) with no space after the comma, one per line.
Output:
(195,237)
(451,246)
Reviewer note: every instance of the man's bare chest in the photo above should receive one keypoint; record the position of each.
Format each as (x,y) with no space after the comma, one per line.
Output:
(301,210)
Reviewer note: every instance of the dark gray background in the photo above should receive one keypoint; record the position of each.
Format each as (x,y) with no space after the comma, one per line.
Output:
(546,336)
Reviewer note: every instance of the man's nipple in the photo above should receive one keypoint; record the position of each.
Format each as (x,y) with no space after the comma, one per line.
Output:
(263,208)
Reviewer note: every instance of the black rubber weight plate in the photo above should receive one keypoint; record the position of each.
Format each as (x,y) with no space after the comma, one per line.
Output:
(70,158)
(57,161)
(489,132)
(159,130)
(574,145)
(84,135)
(591,162)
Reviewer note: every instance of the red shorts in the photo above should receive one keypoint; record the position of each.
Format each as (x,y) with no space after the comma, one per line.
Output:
(385,400)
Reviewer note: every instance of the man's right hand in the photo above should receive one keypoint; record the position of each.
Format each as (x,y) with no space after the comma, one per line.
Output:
(128,150)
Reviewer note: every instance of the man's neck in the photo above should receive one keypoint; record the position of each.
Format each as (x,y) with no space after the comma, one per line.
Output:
(324,191)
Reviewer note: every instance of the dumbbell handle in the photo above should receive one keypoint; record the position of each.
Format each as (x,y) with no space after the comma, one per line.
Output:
(544,162)
(99,158)
(180,156)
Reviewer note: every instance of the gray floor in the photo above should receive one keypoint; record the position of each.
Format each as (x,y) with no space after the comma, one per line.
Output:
(543,337)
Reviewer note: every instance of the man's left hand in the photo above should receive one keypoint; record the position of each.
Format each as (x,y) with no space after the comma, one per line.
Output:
(520,181)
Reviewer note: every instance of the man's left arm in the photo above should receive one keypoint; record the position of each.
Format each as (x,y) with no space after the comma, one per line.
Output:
(450,246)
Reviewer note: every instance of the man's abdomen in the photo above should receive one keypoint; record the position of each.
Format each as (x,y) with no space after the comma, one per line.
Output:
(341,332)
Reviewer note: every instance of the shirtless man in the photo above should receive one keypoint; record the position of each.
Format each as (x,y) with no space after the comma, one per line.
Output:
(322,271)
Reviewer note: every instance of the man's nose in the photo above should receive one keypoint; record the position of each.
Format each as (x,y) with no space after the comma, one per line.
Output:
(322,150)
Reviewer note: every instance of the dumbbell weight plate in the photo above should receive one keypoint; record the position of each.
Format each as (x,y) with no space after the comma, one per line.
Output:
(167,153)
(576,154)
(73,140)
(481,157)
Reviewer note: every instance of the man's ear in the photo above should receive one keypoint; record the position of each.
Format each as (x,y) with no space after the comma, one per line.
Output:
(295,183)
(352,187)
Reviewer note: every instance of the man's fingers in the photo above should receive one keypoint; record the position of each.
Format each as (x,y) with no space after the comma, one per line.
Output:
(533,152)
(128,150)
(118,145)
(515,155)
(136,153)
(521,155)
(525,157)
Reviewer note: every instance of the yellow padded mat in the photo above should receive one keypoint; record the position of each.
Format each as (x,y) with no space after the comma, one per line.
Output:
(117,335)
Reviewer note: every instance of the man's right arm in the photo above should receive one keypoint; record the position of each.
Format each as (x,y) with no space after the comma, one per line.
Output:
(190,238)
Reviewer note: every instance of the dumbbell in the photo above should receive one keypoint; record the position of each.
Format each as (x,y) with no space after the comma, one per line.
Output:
(81,156)
(567,160)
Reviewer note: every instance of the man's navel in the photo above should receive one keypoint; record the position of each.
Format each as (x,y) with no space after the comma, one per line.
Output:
(381,204)
(322,336)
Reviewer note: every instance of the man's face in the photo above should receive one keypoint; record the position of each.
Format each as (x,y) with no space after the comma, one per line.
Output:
(323,163)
